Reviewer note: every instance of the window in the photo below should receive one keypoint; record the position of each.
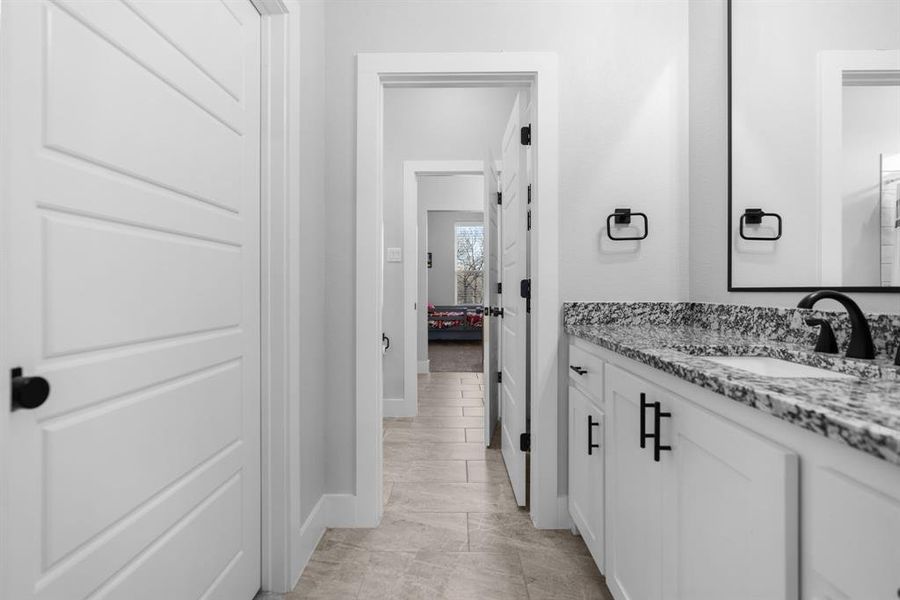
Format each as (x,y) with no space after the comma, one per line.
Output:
(469,263)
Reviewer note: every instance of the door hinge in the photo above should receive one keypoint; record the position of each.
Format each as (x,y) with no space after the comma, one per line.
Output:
(526,135)
(529,219)
(499,197)
(499,287)
(529,193)
(499,376)
(525,292)
(525,442)
(497,312)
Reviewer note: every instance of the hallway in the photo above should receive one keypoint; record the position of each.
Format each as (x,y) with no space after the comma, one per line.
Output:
(451,527)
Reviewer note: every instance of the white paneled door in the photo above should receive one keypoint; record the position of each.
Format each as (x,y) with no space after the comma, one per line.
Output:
(131,231)
(491,329)
(513,323)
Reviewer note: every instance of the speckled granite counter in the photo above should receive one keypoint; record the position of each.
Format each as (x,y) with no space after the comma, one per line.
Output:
(863,412)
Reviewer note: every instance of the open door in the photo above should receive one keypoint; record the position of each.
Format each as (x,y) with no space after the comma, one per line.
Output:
(513,229)
(491,299)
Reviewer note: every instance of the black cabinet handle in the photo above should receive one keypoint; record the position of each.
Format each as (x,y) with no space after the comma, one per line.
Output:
(579,370)
(386,342)
(644,406)
(591,424)
(27,392)
(657,416)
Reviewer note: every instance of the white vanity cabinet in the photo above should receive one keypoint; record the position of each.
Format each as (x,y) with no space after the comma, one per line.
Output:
(587,450)
(716,516)
(587,499)
(703,509)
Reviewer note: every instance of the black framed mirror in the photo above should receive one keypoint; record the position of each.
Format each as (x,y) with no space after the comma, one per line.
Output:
(814,145)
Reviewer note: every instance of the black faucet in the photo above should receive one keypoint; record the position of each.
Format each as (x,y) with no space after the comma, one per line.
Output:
(861,345)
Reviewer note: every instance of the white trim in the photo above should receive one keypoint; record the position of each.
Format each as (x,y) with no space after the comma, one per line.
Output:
(284,539)
(832,66)
(412,169)
(332,510)
(374,71)
(398,407)
(341,510)
(310,533)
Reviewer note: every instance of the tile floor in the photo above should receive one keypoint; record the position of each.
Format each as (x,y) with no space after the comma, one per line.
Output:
(451,527)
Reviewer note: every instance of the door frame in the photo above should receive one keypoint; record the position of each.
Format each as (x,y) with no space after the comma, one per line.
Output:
(412,169)
(832,64)
(283,552)
(375,71)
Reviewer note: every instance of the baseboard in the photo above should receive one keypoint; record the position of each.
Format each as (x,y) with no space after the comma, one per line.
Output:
(398,407)
(332,510)
(563,517)
(311,533)
(425,366)
(341,510)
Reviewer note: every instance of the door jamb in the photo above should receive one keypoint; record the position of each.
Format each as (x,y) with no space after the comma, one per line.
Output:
(412,169)
(374,72)
(283,555)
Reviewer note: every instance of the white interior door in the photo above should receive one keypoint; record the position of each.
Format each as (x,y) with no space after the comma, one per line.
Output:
(513,323)
(131,193)
(491,329)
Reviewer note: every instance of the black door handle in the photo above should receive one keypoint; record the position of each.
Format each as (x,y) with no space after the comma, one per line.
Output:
(591,424)
(27,392)
(386,342)
(579,370)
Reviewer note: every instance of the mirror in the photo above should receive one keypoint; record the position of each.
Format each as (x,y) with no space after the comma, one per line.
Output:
(814,145)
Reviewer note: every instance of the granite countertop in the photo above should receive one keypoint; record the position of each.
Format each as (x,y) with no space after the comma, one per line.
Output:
(862,412)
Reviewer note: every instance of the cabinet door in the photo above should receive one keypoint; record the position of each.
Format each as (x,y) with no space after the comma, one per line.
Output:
(731,510)
(586,471)
(634,542)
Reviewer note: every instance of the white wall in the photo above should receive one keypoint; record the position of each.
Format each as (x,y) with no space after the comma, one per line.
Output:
(623,141)
(455,192)
(775,120)
(709,171)
(430,124)
(441,244)
(871,127)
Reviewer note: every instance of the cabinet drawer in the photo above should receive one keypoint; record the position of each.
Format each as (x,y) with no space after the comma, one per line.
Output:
(586,369)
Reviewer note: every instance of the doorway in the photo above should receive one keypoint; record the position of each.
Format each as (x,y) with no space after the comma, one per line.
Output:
(375,73)
(455,284)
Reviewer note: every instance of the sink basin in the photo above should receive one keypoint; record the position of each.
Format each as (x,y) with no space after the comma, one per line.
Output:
(775,367)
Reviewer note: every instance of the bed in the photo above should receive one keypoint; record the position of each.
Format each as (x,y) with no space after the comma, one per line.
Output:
(454,323)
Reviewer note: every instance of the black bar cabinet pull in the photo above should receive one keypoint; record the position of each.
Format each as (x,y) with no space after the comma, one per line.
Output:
(657,416)
(644,406)
(591,424)
(579,370)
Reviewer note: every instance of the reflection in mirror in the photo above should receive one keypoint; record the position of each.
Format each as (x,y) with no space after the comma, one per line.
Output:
(815,144)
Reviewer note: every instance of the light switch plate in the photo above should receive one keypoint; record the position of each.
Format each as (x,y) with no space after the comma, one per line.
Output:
(394,255)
